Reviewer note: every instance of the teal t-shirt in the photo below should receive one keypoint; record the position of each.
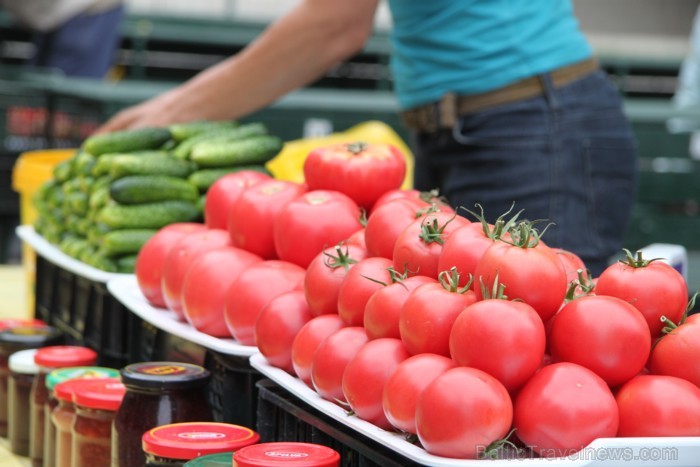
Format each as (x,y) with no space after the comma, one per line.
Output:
(473,46)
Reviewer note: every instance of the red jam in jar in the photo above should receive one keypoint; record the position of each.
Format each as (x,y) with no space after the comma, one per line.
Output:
(157,393)
(175,444)
(49,359)
(286,454)
(96,404)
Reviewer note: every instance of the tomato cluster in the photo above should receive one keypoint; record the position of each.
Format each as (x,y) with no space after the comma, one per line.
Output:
(453,331)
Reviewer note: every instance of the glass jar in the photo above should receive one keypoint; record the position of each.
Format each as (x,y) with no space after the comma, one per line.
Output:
(49,359)
(222,459)
(161,393)
(62,419)
(96,404)
(53,379)
(23,370)
(173,445)
(286,454)
(16,335)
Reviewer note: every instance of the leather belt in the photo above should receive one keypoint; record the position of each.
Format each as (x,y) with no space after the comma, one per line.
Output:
(443,114)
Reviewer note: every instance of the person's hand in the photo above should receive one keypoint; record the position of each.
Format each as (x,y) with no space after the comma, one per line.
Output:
(159,111)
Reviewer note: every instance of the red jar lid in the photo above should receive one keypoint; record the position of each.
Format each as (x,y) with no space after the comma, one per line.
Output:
(59,356)
(100,394)
(185,441)
(9,323)
(286,454)
(65,389)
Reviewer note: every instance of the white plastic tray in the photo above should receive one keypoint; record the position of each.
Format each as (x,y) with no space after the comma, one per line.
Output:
(609,452)
(126,290)
(51,253)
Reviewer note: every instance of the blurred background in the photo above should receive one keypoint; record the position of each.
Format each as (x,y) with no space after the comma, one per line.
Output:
(641,44)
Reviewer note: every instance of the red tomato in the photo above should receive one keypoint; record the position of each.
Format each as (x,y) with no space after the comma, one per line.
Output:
(312,222)
(418,247)
(385,224)
(461,412)
(307,341)
(384,306)
(325,274)
(422,199)
(357,239)
(653,287)
(331,358)
(572,263)
(366,374)
(252,290)
(252,215)
(428,314)
(150,262)
(406,384)
(534,275)
(463,249)
(277,326)
(362,171)
(562,408)
(653,405)
(180,258)
(503,338)
(224,192)
(678,353)
(205,285)
(361,281)
(604,334)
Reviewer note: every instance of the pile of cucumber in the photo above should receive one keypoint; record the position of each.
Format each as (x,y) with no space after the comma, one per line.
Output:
(118,189)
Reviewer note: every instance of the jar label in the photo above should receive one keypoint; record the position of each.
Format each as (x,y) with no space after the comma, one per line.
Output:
(163,370)
(286,454)
(201,435)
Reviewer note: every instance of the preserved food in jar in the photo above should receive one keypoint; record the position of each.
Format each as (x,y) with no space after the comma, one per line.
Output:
(16,335)
(287,455)
(160,393)
(96,404)
(173,445)
(53,379)
(49,359)
(23,370)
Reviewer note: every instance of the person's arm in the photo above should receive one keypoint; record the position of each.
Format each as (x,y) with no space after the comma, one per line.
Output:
(292,52)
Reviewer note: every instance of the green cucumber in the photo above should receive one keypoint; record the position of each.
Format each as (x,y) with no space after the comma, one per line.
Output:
(150,165)
(184,149)
(126,140)
(204,178)
(253,150)
(136,189)
(149,215)
(125,241)
(127,264)
(182,131)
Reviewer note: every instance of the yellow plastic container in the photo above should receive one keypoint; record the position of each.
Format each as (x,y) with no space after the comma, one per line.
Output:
(31,170)
(289,163)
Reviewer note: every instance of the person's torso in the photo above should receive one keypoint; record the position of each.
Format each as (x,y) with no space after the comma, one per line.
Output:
(473,46)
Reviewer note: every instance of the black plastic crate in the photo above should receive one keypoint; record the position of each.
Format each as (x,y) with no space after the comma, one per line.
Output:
(84,311)
(234,392)
(284,417)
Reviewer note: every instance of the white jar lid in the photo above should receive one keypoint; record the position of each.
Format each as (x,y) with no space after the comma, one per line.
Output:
(23,362)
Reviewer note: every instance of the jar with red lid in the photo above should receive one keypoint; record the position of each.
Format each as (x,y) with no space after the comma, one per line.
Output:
(16,335)
(53,379)
(23,370)
(286,454)
(173,445)
(160,393)
(62,419)
(96,404)
(49,359)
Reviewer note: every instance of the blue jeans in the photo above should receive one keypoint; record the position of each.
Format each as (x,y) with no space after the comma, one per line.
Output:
(83,46)
(568,157)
